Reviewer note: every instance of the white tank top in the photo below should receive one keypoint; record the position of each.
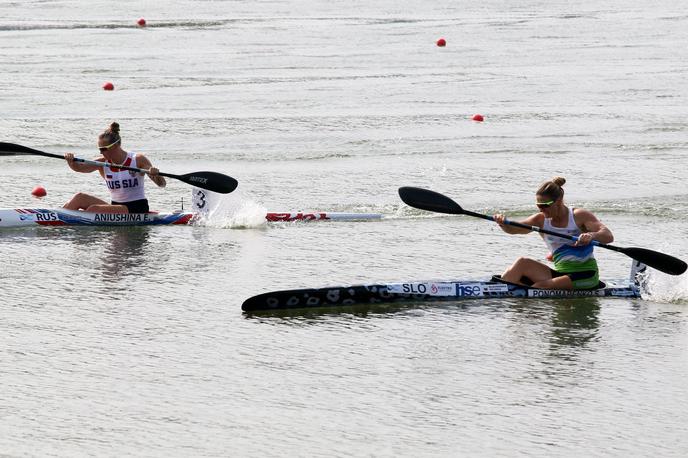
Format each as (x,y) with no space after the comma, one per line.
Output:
(565,255)
(124,185)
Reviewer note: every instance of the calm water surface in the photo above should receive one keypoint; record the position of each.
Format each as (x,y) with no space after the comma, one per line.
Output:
(131,341)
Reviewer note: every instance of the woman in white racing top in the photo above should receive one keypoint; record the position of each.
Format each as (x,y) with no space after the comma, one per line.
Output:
(575,266)
(126,187)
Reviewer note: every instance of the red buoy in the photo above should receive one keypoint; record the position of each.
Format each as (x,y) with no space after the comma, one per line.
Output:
(441,42)
(108,86)
(39,191)
(141,22)
(478,118)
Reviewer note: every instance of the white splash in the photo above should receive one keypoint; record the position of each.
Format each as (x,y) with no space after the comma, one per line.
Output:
(231,211)
(659,287)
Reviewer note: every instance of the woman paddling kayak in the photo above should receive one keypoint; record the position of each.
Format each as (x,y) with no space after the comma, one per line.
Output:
(126,187)
(575,266)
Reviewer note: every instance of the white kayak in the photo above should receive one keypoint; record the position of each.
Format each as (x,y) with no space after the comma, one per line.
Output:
(22,217)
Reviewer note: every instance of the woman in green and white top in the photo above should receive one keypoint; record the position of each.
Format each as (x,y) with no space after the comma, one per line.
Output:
(575,266)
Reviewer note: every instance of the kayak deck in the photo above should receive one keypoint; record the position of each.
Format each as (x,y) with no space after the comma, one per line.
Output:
(419,291)
(22,217)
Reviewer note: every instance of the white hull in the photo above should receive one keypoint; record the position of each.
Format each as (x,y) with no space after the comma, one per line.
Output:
(24,217)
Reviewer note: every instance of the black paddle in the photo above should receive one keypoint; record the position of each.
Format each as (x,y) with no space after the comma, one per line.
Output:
(425,199)
(212,181)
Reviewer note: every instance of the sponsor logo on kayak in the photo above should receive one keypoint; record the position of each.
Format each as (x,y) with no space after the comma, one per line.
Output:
(442,289)
(498,288)
(432,289)
(47,216)
(121,217)
(469,289)
(282,217)
(409,288)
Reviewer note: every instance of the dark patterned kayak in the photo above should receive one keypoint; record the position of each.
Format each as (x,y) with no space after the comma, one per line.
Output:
(428,291)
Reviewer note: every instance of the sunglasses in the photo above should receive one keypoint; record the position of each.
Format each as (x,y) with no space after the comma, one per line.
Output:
(102,149)
(543,205)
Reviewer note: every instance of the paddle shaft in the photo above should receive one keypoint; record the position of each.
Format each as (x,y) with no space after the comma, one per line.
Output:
(212,181)
(541,230)
(102,164)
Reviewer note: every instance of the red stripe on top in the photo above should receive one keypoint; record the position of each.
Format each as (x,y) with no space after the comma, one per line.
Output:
(117,169)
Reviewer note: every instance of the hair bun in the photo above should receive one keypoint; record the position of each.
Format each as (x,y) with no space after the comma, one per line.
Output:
(114,128)
(559,181)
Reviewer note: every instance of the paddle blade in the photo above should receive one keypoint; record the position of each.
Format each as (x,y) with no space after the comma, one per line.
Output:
(424,199)
(12,149)
(212,181)
(660,261)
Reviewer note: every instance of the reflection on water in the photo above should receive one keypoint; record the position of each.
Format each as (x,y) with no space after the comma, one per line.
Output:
(112,252)
(568,323)
(575,321)
(123,251)
(317,314)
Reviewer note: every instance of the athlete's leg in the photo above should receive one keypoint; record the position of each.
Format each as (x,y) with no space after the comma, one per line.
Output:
(574,280)
(81,201)
(527,267)
(562,282)
(107,208)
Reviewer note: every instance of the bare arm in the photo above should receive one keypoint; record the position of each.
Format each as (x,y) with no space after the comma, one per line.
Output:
(80,166)
(593,229)
(536,219)
(144,163)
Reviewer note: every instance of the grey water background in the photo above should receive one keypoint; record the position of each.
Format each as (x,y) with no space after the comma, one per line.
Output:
(121,341)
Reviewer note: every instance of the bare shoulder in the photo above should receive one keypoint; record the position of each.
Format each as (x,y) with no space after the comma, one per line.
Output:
(142,160)
(586,219)
(536,219)
(583,215)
